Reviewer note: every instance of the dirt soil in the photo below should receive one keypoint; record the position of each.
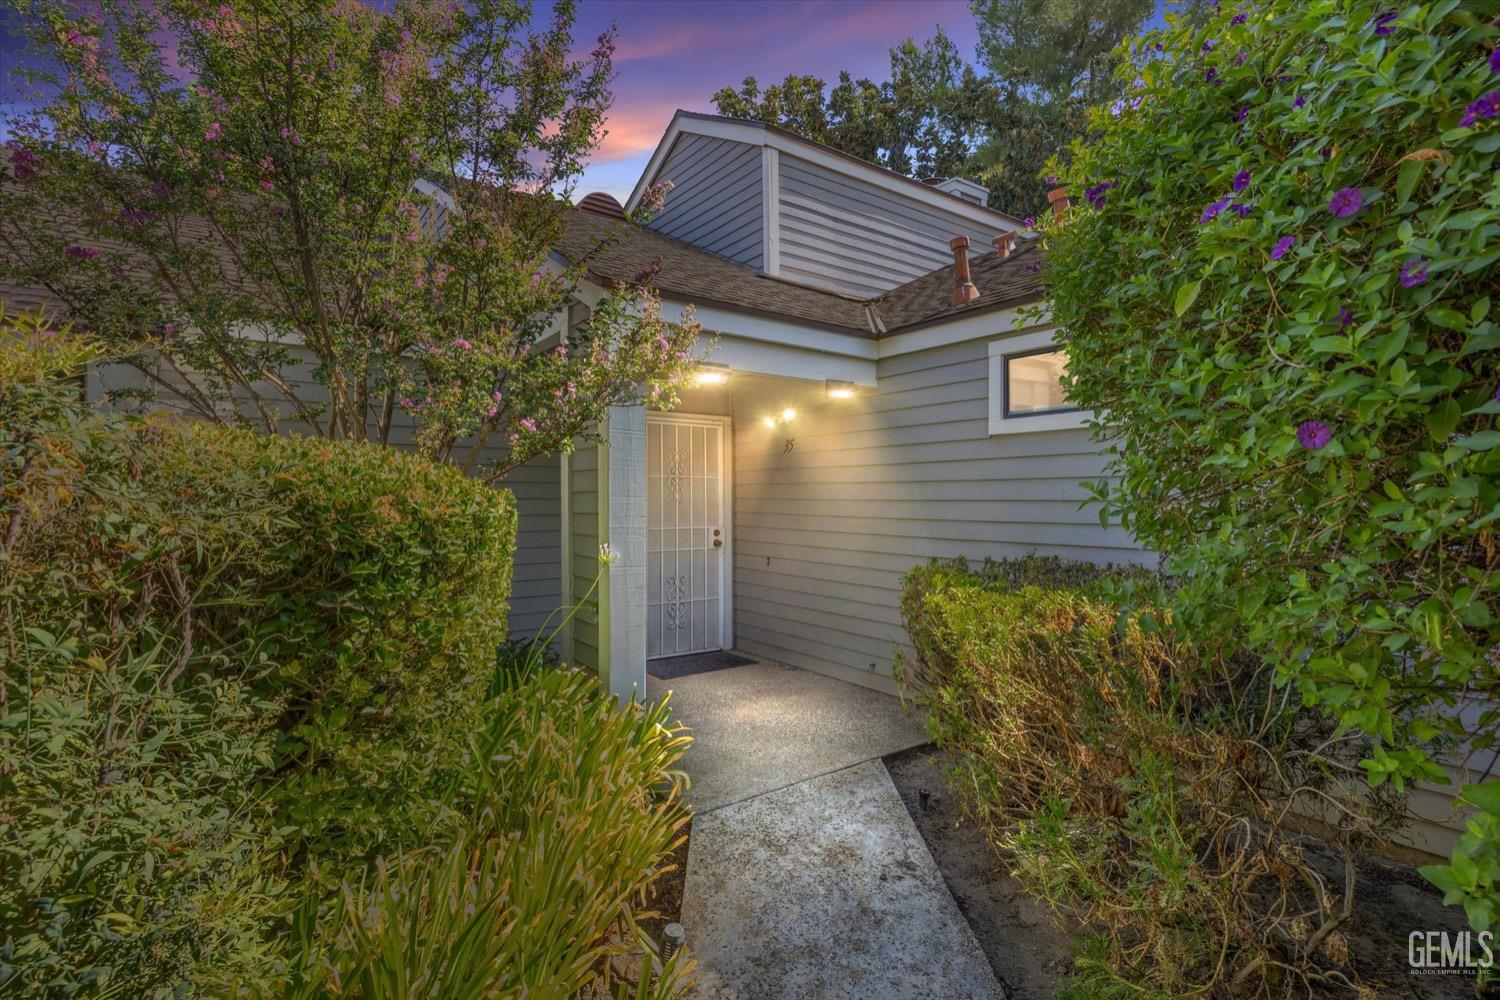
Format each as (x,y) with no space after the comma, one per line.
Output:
(1031,956)
(665,895)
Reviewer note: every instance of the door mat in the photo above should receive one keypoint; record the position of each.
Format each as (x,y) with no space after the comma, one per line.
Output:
(695,663)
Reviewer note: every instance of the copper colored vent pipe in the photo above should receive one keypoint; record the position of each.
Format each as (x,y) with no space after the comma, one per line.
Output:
(1058,197)
(1002,244)
(963,287)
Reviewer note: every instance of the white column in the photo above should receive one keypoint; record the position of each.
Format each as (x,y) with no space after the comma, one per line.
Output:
(623,670)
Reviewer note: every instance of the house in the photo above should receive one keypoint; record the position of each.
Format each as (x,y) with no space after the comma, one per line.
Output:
(876,391)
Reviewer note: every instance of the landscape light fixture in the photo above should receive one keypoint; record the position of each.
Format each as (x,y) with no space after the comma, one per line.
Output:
(712,373)
(838,388)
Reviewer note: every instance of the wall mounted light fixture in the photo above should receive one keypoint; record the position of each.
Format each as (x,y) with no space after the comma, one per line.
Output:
(712,373)
(838,388)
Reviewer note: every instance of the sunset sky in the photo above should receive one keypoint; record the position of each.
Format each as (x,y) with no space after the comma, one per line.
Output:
(676,53)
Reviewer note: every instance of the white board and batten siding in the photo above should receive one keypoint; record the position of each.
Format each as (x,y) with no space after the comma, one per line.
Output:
(875,485)
(847,234)
(716,198)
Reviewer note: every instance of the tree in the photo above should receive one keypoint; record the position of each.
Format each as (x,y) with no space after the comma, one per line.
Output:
(1277,291)
(218,191)
(922,122)
(1056,49)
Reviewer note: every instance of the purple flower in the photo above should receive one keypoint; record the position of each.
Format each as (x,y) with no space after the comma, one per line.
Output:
(1495,61)
(213,132)
(1212,211)
(1243,113)
(1313,434)
(1299,101)
(1240,209)
(1344,319)
(83,253)
(1211,75)
(1282,247)
(1237,19)
(1095,194)
(1414,273)
(1208,46)
(1346,202)
(1241,180)
(1497,387)
(1029,222)
(23,162)
(1487,106)
(1383,23)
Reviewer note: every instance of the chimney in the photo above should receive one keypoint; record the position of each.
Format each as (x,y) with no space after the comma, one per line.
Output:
(1002,244)
(963,288)
(1058,197)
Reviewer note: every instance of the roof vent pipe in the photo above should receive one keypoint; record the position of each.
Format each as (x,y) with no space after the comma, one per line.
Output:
(963,287)
(1002,244)
(1058,197)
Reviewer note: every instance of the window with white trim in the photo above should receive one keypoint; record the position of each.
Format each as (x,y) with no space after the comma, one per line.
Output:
(1025,386)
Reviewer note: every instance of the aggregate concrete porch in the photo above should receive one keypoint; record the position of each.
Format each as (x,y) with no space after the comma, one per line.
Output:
(806,877)
(767,725)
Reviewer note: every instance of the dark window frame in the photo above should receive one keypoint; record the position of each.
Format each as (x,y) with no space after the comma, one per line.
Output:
(1006,413)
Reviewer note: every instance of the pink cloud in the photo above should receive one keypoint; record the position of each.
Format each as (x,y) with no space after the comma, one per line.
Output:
(633,130)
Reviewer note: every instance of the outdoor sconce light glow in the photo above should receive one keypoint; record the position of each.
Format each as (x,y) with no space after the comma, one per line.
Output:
(786,416)
(839,389)
(712,373)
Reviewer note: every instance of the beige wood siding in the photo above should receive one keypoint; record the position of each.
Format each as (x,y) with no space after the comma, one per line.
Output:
(715,201)
(853,236)
(878,484)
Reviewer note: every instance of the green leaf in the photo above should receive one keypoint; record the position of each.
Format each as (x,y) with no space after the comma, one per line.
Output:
(1443,418)
(1483,441)
(1187,295)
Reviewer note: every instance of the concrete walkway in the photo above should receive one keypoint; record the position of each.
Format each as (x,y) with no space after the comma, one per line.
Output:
(806,877)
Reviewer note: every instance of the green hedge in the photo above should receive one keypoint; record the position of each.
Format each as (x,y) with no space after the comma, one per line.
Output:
(230,661)
(1135,780)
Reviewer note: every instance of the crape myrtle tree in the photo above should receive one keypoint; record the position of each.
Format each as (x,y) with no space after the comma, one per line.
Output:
(224,193)
(1278,296)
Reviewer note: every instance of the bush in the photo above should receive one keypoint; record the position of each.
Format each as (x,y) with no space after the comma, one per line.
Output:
(1276,293)
(569,806)
(1135,779)
(226,657)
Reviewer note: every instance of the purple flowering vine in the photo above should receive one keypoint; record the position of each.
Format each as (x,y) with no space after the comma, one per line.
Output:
(1487,106)
(1283,247)
(1495,61)
(1414,273)
(1243,113)
(1240,209)
(1096,194)
(1212,211)
(1241,180)
(1210,75)
(1345,318)
(1346,202)
(1313,434)
(1237,19)
(1299,101)
(1382,23)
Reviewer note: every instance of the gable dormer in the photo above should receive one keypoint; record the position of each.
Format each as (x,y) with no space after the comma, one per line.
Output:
(804,212)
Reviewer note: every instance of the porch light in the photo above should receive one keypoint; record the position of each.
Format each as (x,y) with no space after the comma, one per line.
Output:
(712,373)
(788,415)
(769,422)
(839,389)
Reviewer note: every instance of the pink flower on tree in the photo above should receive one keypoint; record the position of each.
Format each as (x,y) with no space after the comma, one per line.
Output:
(213,133)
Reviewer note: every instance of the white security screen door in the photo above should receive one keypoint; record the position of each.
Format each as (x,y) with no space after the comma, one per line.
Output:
(686,535)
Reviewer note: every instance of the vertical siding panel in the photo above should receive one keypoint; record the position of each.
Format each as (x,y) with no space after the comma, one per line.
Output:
(716,197)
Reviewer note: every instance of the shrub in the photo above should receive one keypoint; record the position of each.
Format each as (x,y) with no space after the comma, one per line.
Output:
(1135,779)
(1277,302)
(569,805)
(223,652)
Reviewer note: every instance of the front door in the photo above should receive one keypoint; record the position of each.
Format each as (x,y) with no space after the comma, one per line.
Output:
(686,535)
